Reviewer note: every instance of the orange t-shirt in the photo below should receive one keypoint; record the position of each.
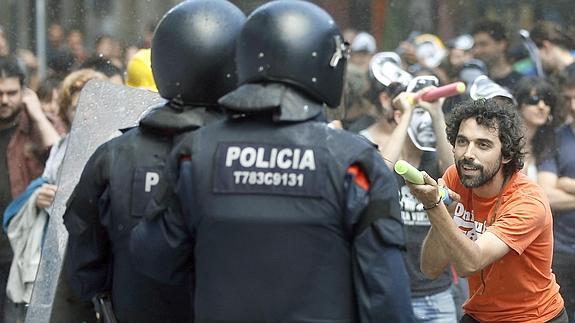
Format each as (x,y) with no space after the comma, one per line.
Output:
(520,286)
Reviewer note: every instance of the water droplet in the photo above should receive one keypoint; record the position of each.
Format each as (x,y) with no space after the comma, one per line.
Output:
(314,54)
(261,55)
(305,107)
(261,69)
(228,75)
(313,79)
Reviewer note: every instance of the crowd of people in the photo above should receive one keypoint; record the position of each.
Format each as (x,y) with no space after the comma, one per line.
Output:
(263,189)
(376,97)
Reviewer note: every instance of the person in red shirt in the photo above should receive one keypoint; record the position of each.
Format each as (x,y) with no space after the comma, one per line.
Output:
(499,230)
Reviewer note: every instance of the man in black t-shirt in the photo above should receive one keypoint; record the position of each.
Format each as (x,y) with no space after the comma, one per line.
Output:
(490,46)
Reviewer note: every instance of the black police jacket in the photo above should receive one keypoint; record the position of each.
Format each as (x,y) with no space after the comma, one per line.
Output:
(284,218)
(109,201)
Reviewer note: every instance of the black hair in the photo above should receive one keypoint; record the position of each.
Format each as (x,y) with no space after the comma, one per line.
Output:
(375,88)
(103,65)
(495,115)
(494,29)
(543,142)
(9,67)
(551,32)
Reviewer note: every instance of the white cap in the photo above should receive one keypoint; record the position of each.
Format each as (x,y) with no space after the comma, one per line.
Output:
(463,42)
(363,42)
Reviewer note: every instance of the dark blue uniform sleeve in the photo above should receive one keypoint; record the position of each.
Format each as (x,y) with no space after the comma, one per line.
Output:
(380,277)
(162,243)
(88,259)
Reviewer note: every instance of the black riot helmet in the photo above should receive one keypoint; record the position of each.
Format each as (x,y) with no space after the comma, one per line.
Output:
(193,51)
(297,43)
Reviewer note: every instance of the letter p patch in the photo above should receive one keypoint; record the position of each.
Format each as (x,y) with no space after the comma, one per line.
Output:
(152,179)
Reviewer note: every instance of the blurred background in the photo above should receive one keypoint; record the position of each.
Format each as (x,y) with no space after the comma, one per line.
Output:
(42,25)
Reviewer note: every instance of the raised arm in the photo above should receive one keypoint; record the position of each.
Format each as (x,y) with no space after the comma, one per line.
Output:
(44,129)
(392,150)
(466,255)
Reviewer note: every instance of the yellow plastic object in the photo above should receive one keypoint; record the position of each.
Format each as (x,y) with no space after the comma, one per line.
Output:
(139,71)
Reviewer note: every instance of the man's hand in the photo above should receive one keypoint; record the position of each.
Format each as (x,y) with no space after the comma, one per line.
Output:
(427,193)
(454,196)
(46,195)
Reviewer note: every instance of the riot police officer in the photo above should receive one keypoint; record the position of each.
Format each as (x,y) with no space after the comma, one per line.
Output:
(286,219)
(192,62)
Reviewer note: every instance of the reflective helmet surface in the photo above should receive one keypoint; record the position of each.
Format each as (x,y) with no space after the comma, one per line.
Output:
(193,51)
(297,43)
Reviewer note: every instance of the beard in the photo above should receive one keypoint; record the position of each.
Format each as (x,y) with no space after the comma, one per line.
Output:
(11,115)
(485,175)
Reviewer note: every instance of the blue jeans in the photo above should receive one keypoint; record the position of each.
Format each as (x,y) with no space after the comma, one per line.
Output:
(436,308)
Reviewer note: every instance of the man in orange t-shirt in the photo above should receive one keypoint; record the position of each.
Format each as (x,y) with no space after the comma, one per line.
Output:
(499,230)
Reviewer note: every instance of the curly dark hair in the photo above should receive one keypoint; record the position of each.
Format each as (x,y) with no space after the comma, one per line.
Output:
(493,114)
(493,28)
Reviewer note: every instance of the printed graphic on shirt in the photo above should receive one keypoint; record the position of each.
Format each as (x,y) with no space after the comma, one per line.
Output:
(268,169)
(412,211)
(144,184)
(465,221)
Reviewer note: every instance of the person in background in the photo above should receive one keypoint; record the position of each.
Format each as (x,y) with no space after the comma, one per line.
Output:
(26,136)
(75,44)
(55,47)
(556,174)
(538,104)
(26,217)
(358,112)
(432,300)
(555,46)
(490,44)
(48,95)
(460,50)
(363,47)
(105,66)
(109,47)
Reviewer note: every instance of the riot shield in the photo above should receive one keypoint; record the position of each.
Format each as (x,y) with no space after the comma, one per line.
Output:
(103,109)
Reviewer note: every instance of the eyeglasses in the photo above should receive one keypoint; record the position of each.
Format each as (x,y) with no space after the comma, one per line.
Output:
(534,100)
